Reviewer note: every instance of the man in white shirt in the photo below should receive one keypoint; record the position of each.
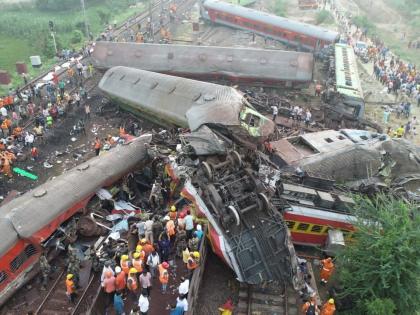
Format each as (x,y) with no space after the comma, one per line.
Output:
(275,112)
(143,303)
(3,111)
(181,301)
(184,287)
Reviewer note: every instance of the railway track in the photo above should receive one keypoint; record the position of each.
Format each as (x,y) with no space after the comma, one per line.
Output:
(56,301)
(266,300)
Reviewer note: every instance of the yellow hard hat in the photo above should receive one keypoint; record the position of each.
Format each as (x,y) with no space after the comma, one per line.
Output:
(69,276)
(136,255)
(139,248)
(196,254)
(124,257)
(173,208)
(133,270)
(331,301)
(143,241)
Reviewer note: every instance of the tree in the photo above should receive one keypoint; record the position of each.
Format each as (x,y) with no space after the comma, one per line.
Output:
(382,262)
(76,36)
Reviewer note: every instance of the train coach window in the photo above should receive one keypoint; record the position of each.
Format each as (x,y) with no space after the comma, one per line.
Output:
(30,250)
(316,228)
(290,224)
(3,276)
(19,260)
(303,226)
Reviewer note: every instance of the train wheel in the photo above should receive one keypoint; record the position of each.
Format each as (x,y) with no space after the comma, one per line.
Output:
(266,204)
(235,215)
(214,196)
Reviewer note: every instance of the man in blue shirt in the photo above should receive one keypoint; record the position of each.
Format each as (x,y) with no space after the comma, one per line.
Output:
(176,310)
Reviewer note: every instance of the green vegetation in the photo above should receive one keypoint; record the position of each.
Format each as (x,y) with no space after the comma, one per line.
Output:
(410,9)
(324,17)
(363,22)
(280,7)
(244,3)
(25,30)
(380,270)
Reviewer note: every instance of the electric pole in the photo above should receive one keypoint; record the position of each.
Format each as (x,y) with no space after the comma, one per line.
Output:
(51,25)
(84,15)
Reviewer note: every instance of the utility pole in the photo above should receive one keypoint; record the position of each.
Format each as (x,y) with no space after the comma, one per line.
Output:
(84,15)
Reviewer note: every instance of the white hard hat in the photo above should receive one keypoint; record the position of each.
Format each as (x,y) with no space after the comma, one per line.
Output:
(117,269)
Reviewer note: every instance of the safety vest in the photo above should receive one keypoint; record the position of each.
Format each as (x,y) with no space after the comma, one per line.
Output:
(70,288)
(4,124)
(170,228)
(49,121)
(124,266)
(138,264)
(120,281)
(164,276)
(133,285)
(97,144)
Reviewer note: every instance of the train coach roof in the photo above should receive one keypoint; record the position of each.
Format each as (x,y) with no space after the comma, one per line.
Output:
(37,208)
(294,26)
(8,235)
(275,65)
(181,101)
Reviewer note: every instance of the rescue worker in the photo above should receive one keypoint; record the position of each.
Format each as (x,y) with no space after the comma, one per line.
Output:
(132,283)
(109,287)
(400,131)
(328,308)
(137,262)
(170,229)
(45,268)
(181,241)
(163,276)
(193,262)
(193,243)
(227,308)
(73,268)
(120,280)
(139,249)
(310,307)
(147,247)
(5,167)
(153,262)
(173,213)
(17,133)
(70,288)
(124,264)
(327,269)
(97,146)
(318,89)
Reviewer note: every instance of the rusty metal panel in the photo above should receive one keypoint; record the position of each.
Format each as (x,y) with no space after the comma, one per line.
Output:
(207,61)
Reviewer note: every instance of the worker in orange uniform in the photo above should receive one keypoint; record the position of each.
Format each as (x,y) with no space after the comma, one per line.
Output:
(193,262)
(172,213)
(147,247)
(97,146)
(124,264)
(170,228)
(17,133)
(120,280)
(163,276)
(4,128)
(328,308)
(139,249)
(132,282)
(70,288)
(310,307)
(137,262)
(327,269)
(5,167)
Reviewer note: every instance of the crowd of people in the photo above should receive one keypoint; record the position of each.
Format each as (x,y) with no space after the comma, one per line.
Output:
(155,244)
(26,115)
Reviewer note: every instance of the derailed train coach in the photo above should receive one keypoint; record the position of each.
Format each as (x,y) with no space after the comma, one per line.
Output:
(293,33)
(29,222)
(178,102)
(261,67)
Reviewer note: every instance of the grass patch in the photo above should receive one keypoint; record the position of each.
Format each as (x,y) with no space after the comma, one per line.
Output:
(25,32)
(399,48)
(324,17)
(280,7)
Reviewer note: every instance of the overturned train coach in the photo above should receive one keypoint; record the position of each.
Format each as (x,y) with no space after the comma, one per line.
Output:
(28,222)
(251,66)
(180,102)
(293,33)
